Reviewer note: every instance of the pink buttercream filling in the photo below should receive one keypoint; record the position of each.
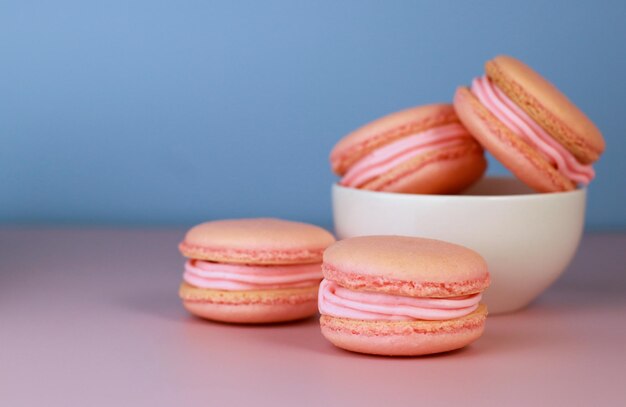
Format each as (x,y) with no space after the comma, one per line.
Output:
(516,119)
(223,276)
(341,302)
(393,154)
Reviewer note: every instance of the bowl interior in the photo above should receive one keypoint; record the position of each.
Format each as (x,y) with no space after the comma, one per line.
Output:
(498,186)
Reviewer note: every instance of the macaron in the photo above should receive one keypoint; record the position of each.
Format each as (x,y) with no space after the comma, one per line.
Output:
(402,296)
(423,150)
(530,126)
(253,270)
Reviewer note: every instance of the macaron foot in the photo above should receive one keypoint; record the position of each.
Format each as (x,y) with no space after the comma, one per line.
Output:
(404,338)
(250,307)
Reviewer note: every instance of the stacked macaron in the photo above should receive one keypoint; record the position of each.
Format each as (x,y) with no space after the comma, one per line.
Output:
(394,295)
(253,270)
(513,112)
(530,126)
(419,150)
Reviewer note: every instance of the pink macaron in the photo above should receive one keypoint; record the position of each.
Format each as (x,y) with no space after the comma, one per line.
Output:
(530,126)
(253,270)
(422,150)
(402,296)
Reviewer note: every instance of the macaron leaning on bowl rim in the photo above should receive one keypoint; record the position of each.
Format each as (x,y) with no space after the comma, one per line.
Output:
(530,126)
(397,295)
(253,270)
(423,149)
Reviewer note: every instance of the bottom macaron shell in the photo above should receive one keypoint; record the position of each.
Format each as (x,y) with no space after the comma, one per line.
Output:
(443,172)
(404,338)
(513,152)
(250,307)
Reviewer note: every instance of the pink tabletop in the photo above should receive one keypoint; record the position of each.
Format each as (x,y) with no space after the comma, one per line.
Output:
(91,317)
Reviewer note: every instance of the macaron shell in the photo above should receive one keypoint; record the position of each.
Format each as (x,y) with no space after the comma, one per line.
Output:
(508,148)
(250,306)
(550,108)
(256,241)
(404,338)
(387,129)
(445,171)
(409,266)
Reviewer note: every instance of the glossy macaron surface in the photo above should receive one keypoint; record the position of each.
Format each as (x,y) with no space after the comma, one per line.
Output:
(424,149)
(259,241)
(406,266)
(396,295)
(548,106)
(530,126)
(252,270)
(387,129)
(513,152)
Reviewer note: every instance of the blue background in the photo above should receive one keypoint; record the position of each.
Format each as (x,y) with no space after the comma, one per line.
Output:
(152,112)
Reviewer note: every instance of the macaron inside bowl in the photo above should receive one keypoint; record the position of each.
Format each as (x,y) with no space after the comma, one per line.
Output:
(402,296)
(530,126)
(423,149)
(253,270)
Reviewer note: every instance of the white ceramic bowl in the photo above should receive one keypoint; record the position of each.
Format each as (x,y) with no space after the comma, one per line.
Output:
(528,239)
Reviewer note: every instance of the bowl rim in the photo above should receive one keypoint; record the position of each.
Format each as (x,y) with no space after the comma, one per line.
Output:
(578,192)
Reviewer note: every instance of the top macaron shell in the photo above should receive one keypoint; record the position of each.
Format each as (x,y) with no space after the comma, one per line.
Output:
(407,266)
(550,108)
(256,241)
